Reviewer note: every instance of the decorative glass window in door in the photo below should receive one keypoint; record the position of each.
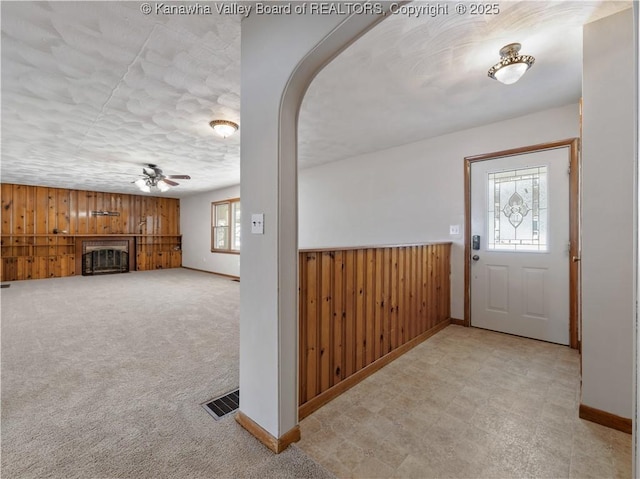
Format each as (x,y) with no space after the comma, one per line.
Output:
(517,210)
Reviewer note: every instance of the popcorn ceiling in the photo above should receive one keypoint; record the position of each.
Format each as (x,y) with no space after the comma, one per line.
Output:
(92,91)
(414,78)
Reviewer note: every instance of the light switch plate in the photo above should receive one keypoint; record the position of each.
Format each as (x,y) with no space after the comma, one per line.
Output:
(257,223)
(454,230)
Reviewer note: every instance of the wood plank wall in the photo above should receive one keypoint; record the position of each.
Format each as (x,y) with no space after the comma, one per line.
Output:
(30,214)
(360,306)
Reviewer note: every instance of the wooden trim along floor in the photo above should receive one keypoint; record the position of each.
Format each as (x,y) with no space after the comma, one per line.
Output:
(317,402)
(459,322)
(277,445)
(213,272)
(433,425)
(605,418)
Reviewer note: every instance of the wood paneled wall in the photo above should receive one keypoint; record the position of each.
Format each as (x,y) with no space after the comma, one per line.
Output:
(41,227)
(360,308)
(40,210)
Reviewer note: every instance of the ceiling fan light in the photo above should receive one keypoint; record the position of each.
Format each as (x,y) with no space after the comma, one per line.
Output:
(162,186)
(512,65)
(224,128)
(153,179)
(142,185)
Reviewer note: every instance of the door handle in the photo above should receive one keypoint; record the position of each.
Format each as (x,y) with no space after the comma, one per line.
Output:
(575,259)
(475,257)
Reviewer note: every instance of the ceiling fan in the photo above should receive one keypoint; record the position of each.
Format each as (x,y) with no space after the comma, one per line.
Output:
(153,177)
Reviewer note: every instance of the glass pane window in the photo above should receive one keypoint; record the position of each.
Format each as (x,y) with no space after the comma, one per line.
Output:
(235,243)
(222,238)
(517,210)
(225,226)
(222,214)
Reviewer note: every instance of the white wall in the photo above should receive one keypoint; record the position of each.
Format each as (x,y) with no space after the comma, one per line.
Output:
(412,193)
(275,74)
(195,225)
(607,211)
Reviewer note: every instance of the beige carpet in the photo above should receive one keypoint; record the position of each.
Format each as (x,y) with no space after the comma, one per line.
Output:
(103,377)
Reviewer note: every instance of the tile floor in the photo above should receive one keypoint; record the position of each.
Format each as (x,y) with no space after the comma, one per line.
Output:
(467,403)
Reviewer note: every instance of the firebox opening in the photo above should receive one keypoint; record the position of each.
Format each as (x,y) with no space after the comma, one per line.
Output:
(105,257)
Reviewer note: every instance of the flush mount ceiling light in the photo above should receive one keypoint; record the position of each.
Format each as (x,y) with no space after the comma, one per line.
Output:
(512,65)
(224,128)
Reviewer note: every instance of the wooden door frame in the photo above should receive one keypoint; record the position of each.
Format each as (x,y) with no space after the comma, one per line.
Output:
(574,227)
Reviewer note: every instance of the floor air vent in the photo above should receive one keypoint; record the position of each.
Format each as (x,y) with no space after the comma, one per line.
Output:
(223,405)
(4,285)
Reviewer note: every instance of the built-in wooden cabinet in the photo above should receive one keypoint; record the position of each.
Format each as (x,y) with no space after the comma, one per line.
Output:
(42,229)
(158,252)
(37,245)
(56,256)
(37,256)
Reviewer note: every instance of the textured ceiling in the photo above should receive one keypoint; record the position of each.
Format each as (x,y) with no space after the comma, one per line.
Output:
(414,78)
(92,91)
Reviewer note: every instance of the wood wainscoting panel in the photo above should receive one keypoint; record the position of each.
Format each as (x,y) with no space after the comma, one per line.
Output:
(361,307)
(321,399)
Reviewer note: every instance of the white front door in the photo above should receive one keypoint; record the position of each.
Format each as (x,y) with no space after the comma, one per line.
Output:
(520,271)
